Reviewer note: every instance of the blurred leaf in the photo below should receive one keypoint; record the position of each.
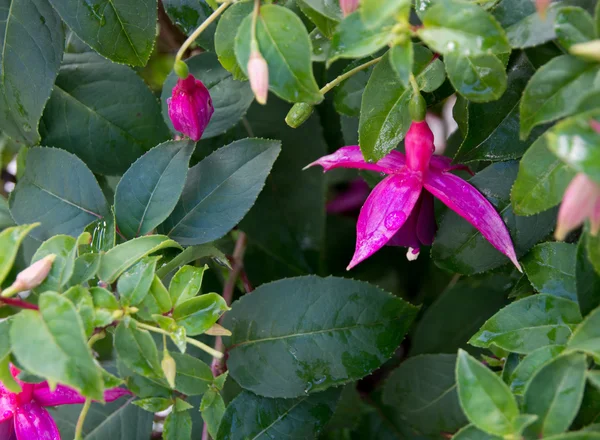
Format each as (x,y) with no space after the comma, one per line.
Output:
(471,432)
(10,240)
(178,426)
(227,28)
(82,300)
(550,268)
(530,365)
(586,336)
(574,25)
(587,280)
(187,15)
(325,14)
(193,253)
(348,94)
(65,249)
(86,267)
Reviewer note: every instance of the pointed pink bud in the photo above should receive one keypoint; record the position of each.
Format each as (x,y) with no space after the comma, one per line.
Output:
(542,6)
(34,274)
(580,201)
(190,107)
(348,6)
(419,146)
(258,74)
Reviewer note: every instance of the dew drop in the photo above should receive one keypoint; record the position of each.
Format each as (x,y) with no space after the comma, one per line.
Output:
(394,219)
(308,387)
(318,380)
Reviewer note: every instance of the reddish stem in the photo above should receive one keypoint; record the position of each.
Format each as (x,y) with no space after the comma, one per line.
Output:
(19,303)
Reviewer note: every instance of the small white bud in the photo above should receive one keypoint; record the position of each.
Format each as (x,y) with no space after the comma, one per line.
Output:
(34,275)
(169,367)
(258,74)
(412,254)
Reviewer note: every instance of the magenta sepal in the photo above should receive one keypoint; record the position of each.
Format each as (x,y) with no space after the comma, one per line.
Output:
(190,107)
(32,422)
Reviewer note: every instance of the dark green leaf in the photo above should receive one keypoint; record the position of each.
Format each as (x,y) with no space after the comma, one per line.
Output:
(188,15)
(10,240)
(402,57)
(59,191)
(5,218)
(530,365)
(65,249)
(134,284)
(137,350)
(178,426)
(592,244)
(348,95)
(574,25)
(554,394)
(193,253)
(587,280)
(199,314)
(479,78)
(121,31)
(300,342)
(471,432)
(150,188)
(530,323)
(32,39)
(251,416)
(556,90)
(220,190)
(423,392)
(320,46)
(542,180)
(377,12)
(193,376)
(225,37)
(284,43)
(51,343)
(550,268)
(325,14)
(461,248)
(230,98)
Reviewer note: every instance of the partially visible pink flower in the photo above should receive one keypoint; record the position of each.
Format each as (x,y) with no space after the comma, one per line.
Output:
(542,6)
(190,107)
(23,416)
(258,74)
(399,212)
(348,6)
(581,201)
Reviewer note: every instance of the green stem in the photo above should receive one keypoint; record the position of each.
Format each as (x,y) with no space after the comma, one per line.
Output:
(82,416)
(413,83)
(202,28)
(9,292)
(253,41)
(348,74)
(95,338)
(200,345)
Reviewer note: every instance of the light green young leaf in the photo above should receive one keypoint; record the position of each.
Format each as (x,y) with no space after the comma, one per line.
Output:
(65,249)
(10,240)
(198,314)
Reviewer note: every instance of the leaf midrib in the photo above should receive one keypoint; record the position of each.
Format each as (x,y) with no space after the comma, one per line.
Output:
(64,200)
(285,414)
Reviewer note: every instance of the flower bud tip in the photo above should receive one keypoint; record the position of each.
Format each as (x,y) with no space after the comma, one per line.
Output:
(258,74)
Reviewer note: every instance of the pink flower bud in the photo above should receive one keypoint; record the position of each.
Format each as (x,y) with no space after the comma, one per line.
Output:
(541,6)
(190,107)
(348,6)
(419,146)
(258,74)
(34,274)
(581,201)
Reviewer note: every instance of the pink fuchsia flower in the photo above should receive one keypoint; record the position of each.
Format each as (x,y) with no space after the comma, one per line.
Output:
(399,210)
(190,107)
(348,6)
(581,201)
(23,416)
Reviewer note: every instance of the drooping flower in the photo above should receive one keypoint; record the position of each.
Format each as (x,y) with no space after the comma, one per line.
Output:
(348,6)
(23,416)
(190,107)
(581,201)
(258,75)
(399,210)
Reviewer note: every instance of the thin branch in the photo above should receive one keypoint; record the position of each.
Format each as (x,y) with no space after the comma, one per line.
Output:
(19,303)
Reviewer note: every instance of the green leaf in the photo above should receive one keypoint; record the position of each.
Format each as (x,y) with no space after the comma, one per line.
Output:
(479,78)
(199,314)
(530,365)
(459,247)
(284,43)
(86,267)
(587,280)
(586,336)
(178,426)
(230,98)
(10,240)
(353,39)
(300,342)
(104,234)
(213,201)
(251,416)
(576,436)
(154,404)
(193,376)
(51,343)
(148,191)
(492,129)
(122,32)
(8,381)
(6,220)
(550,268)
(122,257)
(186,283)
(65,249)
(574,25)
(554,394)
(212,413)
(377,12)
(32,39)
(59,191)
(401,58)
(542,180)
(188,15)
(459,312)
(384,115)
(95,100)
(104,299)
(471,432)
(423,392)
(575,142)
(137,350)
(227,28)
(556,90)
(194,253)
(530,323)
(348,94)
(134,284)
(485,399)
(82,300)
(592,244)
(325,14)
(4,338)
(462,28)
(157,301)
(320,46)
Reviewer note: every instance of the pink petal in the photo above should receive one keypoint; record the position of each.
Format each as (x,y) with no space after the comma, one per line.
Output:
(407,234)
(426,225)
(7,430)
(351,157)
(32,422)
(419,147)
(8,405)
(67,396)
(466,201)
(595,219)
(578,204)
(115,393)
(385,211)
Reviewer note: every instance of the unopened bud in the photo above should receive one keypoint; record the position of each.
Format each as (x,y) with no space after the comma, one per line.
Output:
(190,107)
(169,367)
(348,6)
(117,314)
(218,330)
(258,74)
(298,114)
(542,6)
(589,50)
(33,276)
(181,69)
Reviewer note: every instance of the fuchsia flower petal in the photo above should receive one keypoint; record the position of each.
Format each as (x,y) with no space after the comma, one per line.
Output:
(579,203)
(388,207)
(8,406)
(351,157)
(7,430)
(32,422)
(67,396)
(467,201)
(190,107)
